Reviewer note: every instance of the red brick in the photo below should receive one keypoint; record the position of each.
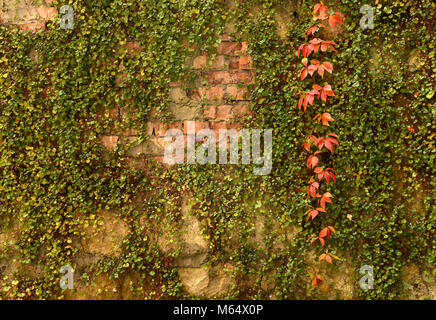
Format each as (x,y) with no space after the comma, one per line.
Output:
(212,93)
(32,27)
(236,93)
(215,93)
(195,94)
(47,13)
(243,63)
(199,125)
(109,142)
(153,128)
(219,62)
(224,112)
(210,112)
(219,77)
(225,77)
(219,125)
(235,125)
(241,110)
(200,62)
(243,76)
(159,129)
(174,125)
(216,126)
(242,49)
(234,62)
(229,47)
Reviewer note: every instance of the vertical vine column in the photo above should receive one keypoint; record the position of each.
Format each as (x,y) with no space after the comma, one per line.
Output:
(317,144)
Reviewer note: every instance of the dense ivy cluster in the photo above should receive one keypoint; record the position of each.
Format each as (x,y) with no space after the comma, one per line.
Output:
(385,183)
(57,86)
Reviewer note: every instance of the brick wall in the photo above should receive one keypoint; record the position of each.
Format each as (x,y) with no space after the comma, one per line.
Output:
(29,15)
(218,104)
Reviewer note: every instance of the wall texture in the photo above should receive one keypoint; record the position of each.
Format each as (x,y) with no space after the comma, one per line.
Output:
(206,255)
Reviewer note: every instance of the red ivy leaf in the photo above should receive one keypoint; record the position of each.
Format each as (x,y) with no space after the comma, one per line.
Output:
(325,198)
(335,18)
(324,118)
(317,280)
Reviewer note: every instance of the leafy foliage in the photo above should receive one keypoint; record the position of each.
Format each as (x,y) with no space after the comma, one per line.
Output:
(55,177)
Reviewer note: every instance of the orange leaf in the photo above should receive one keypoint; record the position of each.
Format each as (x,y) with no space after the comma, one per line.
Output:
(316,280)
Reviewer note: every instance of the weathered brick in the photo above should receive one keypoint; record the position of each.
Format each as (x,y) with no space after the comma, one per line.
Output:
(219,77)
(216,126)
(199,125)
(200,62)
(243,63)
(158,129)
(242,49)
(220,62)
(32,27)
(241,110)
(224,112)
(235,125)
(109,142)
(211,94)
(210,112)
(225,77)
(154,128)
(214,93)
(47,13)
(229,47)
(234,62)
(237,93)
(243,76)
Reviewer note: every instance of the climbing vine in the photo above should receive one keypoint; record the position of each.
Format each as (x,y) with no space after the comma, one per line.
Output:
(58,92)
(321,12)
